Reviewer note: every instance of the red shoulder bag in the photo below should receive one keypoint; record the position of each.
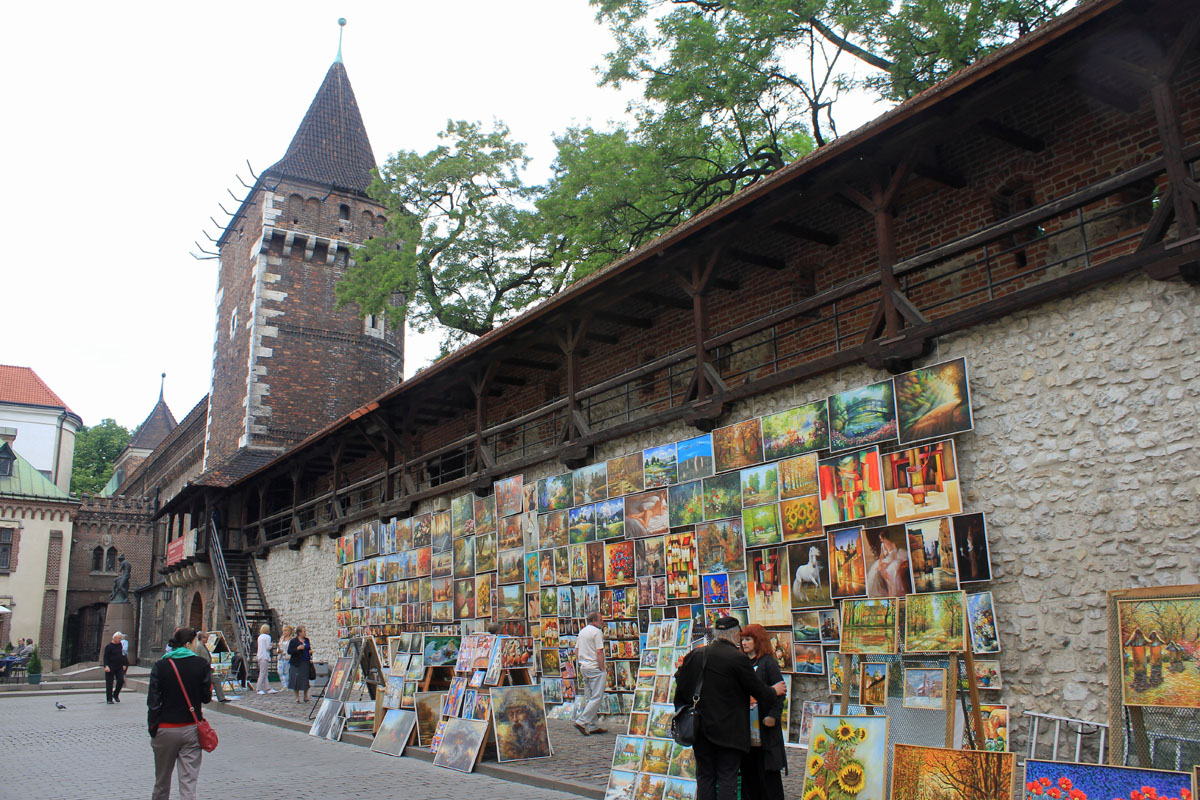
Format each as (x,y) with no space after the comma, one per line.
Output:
(208,737)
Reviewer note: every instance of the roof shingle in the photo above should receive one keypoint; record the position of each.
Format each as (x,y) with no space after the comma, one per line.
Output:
(22,385)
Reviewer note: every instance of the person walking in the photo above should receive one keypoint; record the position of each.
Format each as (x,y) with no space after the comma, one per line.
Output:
(761,766)
(115,667)
(589,653)
(180,683)
(284,660)
(300,650)
(263,685)
(727,683)
(199,647)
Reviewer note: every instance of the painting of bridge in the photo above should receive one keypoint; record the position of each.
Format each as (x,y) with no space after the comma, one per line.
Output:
(861,417)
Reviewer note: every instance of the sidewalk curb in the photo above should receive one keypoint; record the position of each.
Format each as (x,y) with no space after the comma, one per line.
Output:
(498,771)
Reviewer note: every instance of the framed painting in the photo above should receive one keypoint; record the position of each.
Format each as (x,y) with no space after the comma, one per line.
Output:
(577,554)
(460,745)
(694,458)
(801,715)
(686,504)
(649,557)
(738,446)
(933,402)
(462,516)
(831,626)
(803,429)
(485,514)
(464,598)
(590,483)
(885,553)
(847,567)
(1159,639)
(873,680)
(360,715)
(510,496)
(646,514)
(683,570)
(1101,780)
(464,558)
(510,566)
(552,529)
(951,774)
(932,561)
(595,559)
(921,482)
(781,646)
(995,728)
(760,525)
(619,564)
(770,596)
(971,548)
(716,589)
(625,475)
(660,466)
(847,757)
(851,487)
(394,732)
(428,708)
(981,622)
(925,688)
(808,562)
(861,417)
(739,590)
(869,625)
(760,485)
(581,524)
(721,546)
(532,566)
(510,602)
(627,752)
(519,716)
(511,533)
(440,650)
(934,623)
(562,565)
(723,496)
(808,659)
(800,518)
(806,626)
(610,519)
(554,493)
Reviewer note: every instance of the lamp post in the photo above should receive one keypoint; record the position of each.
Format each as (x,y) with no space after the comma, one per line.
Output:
(1136,644)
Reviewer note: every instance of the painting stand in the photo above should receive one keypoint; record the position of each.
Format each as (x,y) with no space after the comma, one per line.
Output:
(974,731)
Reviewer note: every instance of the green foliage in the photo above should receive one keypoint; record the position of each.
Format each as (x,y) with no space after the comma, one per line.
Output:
(34,667)
(96,449)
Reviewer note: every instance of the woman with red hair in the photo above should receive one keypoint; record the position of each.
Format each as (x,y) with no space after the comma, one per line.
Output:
(762,765)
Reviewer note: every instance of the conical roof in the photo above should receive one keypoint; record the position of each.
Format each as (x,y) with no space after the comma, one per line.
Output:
(330,147)
(156,427)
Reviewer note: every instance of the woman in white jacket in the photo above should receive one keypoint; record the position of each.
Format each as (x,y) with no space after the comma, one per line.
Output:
(263,656)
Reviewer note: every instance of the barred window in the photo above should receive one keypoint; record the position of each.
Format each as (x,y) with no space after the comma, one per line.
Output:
(6,543)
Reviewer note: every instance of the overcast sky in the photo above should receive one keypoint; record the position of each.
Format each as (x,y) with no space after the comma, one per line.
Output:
(127,125)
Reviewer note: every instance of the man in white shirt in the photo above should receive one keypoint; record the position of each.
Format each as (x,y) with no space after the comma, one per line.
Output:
(589,652)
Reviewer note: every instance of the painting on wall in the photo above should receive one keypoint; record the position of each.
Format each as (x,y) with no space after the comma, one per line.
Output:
(738,446)
(951,774)
(510,497)
(1101,781)
(861,417)
(925,688)
(933,402)
(851,487)
(834,675)
(803,429)
(885,551)
(809,564)
(660,466)
(460,744)
(686,504)
(720,545)
(981,622)
(510,566)
(618,564)
(873,678)
(800,518)
(808,659)
(760,525)
(590,483)
(683,570)
(511,533)
(519,714)
(610,519)
(485,514)
(869,626)
(934,623)
(798,476)
(971,548)
(921,482)
(931,557)
(1159,643)
(649,557)
(716,589)
(770,598)
(394,732)
(625,475)
(760,485)
(694,458)
(847,567)
(739,589)
(723,496)
(554,493)
(847,758)
(464,557)
(581,524)
(646,514)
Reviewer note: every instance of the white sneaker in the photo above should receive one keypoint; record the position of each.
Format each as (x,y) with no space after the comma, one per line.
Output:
(272,691)
(262,692)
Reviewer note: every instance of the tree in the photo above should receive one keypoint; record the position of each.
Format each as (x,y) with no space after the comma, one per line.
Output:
(96,450)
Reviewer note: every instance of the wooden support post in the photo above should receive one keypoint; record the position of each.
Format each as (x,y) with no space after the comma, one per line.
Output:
(479,384)
(976,720)
(881,205)
(295,475)
(845,659)
(335,505)
(951,698)
(262,512)
(576,425)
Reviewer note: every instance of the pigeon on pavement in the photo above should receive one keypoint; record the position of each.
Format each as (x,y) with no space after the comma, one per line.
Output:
(59,705)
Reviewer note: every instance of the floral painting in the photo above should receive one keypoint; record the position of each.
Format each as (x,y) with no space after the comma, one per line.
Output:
(686,506)
(800,518)
(798,430)
(861,417)
(618,564)
(722,496)
(1050,779)
(981,621)
(847,758)
(929,773)
(933,402)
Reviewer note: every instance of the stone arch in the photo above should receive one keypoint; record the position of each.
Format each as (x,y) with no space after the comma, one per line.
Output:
(196,612)
(295,206)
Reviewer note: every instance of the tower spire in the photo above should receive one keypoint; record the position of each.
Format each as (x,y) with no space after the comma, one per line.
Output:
(341,27)
(161,385)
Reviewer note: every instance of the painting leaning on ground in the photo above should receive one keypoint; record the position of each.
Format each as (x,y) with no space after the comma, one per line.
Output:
(1100,782)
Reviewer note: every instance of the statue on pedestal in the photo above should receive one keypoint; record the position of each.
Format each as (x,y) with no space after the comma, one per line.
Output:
(120,591)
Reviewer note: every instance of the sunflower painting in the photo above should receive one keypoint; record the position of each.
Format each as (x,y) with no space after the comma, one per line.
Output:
(847,758)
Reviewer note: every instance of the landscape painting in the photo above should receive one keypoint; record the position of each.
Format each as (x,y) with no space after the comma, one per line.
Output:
(933,402)
(809,564)
(760,525)
(590,483)
(804,429)
(1101,781)
(554,493)
(738,446)
(659,466)
(686,506)
(581,524)
(429,713)
(625,475)
(931,556)
(921,482)
(925,688)
(847,758)
(1160,646)
(510,498)
(694,458)
(808,659)
(460,744)
(800,518)
(723,496)
(934,623)
(798,476)
(869,626)
(937,773)
(760,485)
(610,519)
(720,545)
(861,417)
(851,487)
(394,732)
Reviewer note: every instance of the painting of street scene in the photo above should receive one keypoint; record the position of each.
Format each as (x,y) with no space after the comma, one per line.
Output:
(931,556)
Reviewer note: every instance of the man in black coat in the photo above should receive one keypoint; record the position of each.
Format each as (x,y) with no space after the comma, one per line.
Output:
(115,665)
(724,735)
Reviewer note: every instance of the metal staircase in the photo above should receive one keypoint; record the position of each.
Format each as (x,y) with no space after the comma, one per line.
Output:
(237,577)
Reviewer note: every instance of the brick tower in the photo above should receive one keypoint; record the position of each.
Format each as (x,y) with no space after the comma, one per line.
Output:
(285,363)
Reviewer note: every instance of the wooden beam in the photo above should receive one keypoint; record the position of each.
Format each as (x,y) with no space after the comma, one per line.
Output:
(1110,96)
(1003,133)
(657,299)
(805,233)
(603,338)
(529,363)
(506,380)
(625,319)
(745,256)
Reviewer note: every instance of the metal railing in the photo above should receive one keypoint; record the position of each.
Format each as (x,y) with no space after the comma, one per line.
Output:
(233,598)
(1081,729)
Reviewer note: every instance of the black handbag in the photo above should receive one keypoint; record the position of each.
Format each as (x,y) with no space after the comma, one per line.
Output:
(685,724)
(312,671)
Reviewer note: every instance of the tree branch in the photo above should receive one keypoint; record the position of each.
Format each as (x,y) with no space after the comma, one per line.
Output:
(851,48)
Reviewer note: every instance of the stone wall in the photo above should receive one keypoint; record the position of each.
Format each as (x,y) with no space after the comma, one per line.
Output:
(1082,458)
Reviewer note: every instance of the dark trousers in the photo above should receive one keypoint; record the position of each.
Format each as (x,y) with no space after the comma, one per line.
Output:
(716,770)
(757,780)
(113,682)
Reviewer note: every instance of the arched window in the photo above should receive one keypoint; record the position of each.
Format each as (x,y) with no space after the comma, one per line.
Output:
(110,560)
(343,211)
(98,559)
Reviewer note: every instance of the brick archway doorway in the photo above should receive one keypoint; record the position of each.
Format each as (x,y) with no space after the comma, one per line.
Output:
(196,614)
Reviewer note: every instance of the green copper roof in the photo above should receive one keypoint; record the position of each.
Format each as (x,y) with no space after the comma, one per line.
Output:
(26,480)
